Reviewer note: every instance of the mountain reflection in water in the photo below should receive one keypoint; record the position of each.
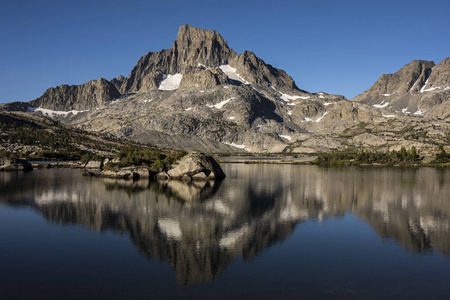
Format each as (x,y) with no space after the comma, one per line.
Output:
(201,227)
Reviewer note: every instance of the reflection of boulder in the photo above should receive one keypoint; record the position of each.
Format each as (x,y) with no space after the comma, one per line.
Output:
(14,164)
(131,186)
(188,191)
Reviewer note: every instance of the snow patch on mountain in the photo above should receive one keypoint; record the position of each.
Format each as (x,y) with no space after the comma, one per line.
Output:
(381,105)
(171,82)
(287,97)
(320,118)
(232,74)
(237,146)
(430,89)
(388,116)
(53,113)
(287,137)
(423,88)
(220,104)
(419,112)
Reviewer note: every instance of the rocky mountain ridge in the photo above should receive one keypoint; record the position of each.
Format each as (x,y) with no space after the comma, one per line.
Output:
(419,88)
(201,95)
(90,95)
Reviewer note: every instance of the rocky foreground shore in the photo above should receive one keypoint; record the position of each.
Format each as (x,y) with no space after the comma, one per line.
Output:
(194,166)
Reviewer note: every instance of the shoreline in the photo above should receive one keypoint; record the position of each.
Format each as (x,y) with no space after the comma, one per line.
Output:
(266,160)
(306,160)
(254,160)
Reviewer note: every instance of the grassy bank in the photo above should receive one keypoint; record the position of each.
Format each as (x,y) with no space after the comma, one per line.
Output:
(403,157)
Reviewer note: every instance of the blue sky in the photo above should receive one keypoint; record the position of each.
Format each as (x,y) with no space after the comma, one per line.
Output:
(339,47)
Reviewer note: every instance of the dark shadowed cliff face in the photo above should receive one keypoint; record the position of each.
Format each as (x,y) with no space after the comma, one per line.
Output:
(90,95)
(117,82)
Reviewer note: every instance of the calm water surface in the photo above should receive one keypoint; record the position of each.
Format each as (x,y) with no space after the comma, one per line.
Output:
(266,231)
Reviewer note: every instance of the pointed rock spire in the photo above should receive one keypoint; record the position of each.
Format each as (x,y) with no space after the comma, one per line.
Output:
(195,46)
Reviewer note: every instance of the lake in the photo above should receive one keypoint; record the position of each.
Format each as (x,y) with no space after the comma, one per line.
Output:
(266,231)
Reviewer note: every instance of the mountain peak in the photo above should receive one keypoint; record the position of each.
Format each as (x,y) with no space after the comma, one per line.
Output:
(195,46)
(417,88)
(189,33)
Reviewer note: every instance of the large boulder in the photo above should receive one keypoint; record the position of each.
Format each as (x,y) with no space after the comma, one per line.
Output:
(14,164)
(196,166)
(94,164)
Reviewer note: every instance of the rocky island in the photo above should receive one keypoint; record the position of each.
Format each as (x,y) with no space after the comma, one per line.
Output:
(181,166)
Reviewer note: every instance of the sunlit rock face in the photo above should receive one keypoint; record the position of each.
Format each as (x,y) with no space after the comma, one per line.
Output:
(201,95)
(90,95)
(200,227)
(198,95)
(419,88)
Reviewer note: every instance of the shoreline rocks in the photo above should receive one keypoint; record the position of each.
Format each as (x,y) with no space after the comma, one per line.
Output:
(14,164)
(192,167)
(134,173)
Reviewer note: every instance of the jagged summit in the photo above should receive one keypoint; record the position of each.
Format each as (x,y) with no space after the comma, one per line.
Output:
(201,95)
(198,59)
(195,46)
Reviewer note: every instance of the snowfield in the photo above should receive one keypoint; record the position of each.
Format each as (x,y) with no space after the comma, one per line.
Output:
(381,105)
(171,82)
(287,137)
(231,73)
(220,104)
(53,113)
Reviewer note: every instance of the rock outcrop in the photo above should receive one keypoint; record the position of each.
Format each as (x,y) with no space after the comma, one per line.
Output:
(135,173)
(194,166)
(94,164)
(14,164)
